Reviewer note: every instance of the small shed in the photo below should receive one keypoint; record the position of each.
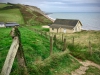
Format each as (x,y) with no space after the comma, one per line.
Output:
(11,24)
(66,26)
(2,24)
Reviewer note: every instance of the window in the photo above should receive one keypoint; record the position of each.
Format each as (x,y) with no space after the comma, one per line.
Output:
(52,28)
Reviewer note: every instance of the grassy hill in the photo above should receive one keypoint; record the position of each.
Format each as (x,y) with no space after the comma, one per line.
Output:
(11,15)
(82,42)
(21,14)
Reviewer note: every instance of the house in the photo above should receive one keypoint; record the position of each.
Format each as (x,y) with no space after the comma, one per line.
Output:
(2,24)
(66,26)
(11,24)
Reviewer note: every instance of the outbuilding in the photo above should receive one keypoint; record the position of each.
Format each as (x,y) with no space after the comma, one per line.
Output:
(11,24)
(2,24)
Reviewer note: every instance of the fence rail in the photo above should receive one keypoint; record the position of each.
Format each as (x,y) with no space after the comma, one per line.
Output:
(10,57)
(15,50)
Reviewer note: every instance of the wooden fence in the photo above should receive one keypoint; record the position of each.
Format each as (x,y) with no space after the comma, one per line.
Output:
(15,50)
(53,39)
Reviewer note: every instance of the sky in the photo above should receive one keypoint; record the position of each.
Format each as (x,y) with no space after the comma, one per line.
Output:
(61,5)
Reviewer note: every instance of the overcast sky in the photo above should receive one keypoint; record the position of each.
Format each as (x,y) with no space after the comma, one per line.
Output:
(62,5)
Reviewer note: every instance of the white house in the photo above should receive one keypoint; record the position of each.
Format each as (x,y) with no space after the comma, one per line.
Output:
(2,24)
(66,26)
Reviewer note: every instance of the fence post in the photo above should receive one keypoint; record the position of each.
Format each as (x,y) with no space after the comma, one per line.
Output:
(90,49)
(15,50)
(51,45)
(54,38)
(62,37)
(73,41)
(64,46)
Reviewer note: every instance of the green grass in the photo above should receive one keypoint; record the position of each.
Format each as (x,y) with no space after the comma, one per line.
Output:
(11,15)
(32,18)
(38,19)
(80,49)
(57,64)
(2,5)
(39,27)
(92,71)
(36,51)
(5,42)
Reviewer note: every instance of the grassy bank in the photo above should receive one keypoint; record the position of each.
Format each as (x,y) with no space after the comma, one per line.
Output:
(37,54)
(80,47)
(11,15)
(21,14)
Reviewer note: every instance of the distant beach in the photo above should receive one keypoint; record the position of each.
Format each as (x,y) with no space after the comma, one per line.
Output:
(90,21)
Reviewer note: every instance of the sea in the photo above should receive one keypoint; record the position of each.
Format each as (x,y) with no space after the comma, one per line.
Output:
(90,21)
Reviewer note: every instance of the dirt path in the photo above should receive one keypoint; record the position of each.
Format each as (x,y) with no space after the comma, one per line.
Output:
(84,67)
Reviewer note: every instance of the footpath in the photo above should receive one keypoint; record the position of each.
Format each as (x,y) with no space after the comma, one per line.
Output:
(84,67)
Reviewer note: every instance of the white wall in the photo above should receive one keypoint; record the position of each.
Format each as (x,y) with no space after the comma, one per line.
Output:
(78,27)
(61,30)
(2,25)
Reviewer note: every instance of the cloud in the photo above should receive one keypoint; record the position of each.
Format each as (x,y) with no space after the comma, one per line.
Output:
(53,3)
(62,5)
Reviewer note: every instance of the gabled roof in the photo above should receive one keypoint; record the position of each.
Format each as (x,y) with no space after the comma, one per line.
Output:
(64,23)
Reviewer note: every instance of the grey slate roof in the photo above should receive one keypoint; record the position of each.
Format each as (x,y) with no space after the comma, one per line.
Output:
(64,23)
(11,24)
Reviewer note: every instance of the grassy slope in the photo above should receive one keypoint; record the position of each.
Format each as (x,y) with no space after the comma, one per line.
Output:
(80,49)
(11,15)
(36,49)
(32,17)
(81,45)
(38,17)
(7,14)
(2,5)
(20,14)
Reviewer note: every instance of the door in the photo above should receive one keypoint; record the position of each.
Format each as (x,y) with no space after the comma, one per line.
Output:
(64,30)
